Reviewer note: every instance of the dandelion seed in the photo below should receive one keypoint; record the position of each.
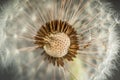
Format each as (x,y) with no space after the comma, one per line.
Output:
(64,39)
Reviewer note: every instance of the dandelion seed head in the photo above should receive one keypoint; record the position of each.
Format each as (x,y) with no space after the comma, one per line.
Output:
(52,34)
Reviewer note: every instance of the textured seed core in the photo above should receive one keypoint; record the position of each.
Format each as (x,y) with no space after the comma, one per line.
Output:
(57,45)
(59,42)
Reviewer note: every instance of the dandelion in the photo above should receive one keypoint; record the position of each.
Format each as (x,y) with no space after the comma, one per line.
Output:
(58,39)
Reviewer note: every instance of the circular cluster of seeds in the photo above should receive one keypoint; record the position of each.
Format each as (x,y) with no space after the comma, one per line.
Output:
(59,41)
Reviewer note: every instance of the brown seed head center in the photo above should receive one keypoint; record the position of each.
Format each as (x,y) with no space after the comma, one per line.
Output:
(58,45)
(59,41)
